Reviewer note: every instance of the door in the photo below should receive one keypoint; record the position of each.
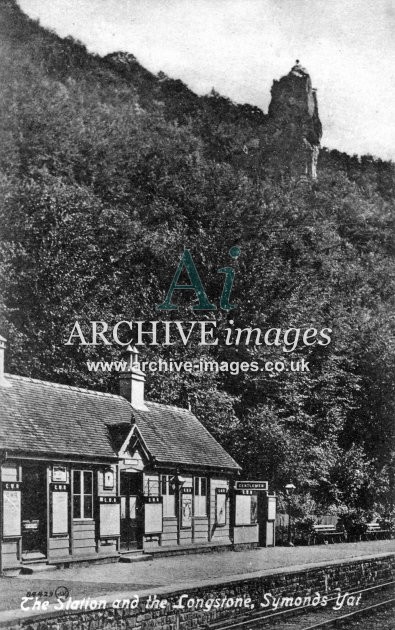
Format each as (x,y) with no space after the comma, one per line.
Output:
(131,510)
(34,509)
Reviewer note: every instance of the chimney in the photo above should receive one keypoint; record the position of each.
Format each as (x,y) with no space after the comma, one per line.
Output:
(131,382)
(3,380)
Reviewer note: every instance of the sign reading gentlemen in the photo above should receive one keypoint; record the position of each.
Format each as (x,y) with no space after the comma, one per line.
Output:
(252,485)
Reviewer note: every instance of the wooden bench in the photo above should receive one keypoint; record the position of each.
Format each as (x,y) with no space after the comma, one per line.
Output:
(375,532)
(326,534)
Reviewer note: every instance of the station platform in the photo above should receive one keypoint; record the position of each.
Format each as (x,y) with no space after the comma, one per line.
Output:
(175,572)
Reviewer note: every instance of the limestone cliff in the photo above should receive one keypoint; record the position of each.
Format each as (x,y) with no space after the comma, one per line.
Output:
(292,132)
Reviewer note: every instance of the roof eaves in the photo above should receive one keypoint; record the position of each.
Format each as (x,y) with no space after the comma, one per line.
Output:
(163,462)
(53,455)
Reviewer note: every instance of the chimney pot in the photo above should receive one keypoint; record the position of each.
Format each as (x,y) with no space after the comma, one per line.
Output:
(132,381)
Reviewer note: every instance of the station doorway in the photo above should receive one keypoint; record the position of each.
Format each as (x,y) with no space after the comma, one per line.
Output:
(131,510)
(34,510)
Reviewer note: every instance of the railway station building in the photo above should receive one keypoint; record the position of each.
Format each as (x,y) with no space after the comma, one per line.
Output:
(89,476)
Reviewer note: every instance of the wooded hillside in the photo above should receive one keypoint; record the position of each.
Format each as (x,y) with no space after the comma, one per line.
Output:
(108,172)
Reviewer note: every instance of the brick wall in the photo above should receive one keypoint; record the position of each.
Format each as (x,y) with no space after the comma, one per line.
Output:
(323,579)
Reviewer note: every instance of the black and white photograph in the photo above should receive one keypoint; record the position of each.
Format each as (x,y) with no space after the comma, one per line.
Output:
(197,321)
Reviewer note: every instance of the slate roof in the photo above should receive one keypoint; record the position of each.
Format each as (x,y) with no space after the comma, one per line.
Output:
(52,419)
(173,434)
(46,417)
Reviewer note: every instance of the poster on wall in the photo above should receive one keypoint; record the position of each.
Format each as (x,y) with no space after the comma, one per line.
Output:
(220,506)
(60,512)
(12,512)
(186,509)
(254,509)
(108,480)
(242,509)
(59,473)
(199,195)
(271,508)
(153,515)
(109,516)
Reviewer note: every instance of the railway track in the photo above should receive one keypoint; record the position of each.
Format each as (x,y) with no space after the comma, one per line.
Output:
(341,620)
(310,617)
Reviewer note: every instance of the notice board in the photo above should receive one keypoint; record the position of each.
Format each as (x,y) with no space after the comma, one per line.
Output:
(186,510)
(11,513)
(60,513)
(243,509)
(153,518)
(271,508)
(110,519)
(220,508)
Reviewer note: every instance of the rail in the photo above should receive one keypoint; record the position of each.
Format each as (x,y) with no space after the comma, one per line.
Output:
(352,615)
(262,617)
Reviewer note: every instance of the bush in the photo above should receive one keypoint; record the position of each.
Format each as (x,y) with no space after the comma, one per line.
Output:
(354,523)
(387,523)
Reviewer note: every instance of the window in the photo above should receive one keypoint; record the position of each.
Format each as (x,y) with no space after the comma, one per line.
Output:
(200,498)
(167,483)
(82,494)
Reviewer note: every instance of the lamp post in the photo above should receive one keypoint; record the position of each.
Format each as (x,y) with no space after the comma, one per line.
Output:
(289,488)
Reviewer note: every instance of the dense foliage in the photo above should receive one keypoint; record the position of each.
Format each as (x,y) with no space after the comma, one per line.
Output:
(108,172)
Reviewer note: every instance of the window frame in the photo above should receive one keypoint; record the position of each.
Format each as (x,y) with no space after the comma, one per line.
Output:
(82,494)
(165,484)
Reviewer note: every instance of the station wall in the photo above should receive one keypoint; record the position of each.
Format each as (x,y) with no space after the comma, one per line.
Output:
(324,579)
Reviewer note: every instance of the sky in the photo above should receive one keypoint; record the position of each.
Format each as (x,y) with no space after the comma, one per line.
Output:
(240,46)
